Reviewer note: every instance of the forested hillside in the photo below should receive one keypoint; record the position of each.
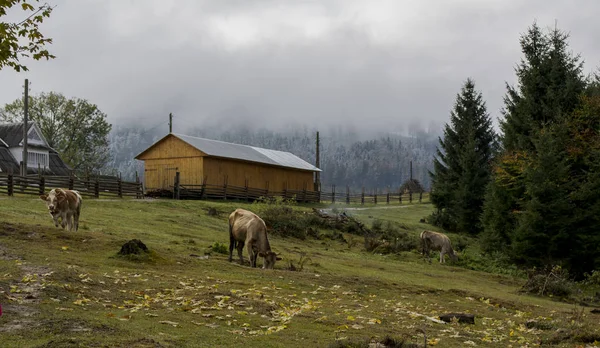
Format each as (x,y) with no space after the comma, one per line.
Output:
(377,161)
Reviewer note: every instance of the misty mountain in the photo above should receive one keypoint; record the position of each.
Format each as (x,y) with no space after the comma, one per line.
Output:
(347,158)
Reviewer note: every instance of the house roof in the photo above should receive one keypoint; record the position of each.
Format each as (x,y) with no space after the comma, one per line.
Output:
(216,148)
(8,163)
(12,133)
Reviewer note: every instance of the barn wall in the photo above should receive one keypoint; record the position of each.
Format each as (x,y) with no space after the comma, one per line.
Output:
(237,172)
(166,157)
(160,173)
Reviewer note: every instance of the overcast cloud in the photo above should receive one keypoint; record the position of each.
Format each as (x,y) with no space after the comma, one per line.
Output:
(373,64)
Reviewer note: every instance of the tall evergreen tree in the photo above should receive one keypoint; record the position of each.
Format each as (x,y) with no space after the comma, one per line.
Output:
(462,167)
(550,82)
(560,221)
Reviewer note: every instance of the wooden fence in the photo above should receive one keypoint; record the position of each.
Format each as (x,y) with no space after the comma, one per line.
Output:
(225,192)
(91,187)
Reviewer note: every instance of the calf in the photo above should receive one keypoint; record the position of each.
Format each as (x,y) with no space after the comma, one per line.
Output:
(64,204)
(247,228)
(437,241)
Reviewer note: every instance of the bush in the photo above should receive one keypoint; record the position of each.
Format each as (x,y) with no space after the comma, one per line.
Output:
(282,219)
(460,243)
(219,248)
(592,279)
(549,282)
(498,263)
(388,239)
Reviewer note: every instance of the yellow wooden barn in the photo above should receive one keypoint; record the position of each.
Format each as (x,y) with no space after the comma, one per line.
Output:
(211,162)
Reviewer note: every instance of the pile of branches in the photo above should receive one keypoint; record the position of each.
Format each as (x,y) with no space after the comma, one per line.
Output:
(343,222)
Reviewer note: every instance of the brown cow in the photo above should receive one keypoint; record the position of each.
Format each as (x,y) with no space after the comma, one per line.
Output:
(248,228)
(437,241)
(64,204)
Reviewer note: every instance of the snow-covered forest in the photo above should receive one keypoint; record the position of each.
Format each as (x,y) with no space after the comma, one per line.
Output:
(377,160)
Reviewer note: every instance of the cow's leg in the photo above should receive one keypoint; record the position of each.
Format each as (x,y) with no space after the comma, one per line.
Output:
(240,248)
(55,218)
(69,222)
(442,257)
(76,220)
(251,254)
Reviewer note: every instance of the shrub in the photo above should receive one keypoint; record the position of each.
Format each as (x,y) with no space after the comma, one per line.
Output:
(592,279)
(388,239)
(219,248)
(282,219)
(552,282)
(460,243)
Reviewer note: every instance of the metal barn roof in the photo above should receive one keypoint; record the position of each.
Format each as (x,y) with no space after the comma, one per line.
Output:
(218,148)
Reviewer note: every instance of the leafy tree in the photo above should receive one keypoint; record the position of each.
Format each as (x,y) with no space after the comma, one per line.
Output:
(463,163)
(74,127)
(23,39)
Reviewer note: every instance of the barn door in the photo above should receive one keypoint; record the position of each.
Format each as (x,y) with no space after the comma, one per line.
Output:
(167,176)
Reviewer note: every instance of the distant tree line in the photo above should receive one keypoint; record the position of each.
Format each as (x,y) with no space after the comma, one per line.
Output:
(533,195)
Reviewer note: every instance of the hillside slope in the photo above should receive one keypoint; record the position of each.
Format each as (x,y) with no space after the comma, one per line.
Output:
(70,289)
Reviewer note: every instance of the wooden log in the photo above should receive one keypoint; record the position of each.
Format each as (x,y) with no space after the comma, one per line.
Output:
(462,317)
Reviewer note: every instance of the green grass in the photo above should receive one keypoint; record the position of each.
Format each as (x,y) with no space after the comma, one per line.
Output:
(71,289)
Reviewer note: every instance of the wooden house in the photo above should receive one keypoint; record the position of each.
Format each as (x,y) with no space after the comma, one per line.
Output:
(213,162)
(41,158)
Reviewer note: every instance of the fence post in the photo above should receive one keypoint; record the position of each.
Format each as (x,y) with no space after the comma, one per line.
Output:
(246,190)
(387,198)
(97,188)
(400,193)
(176,186)
(304,193)
(347,194)
(420,196)
(139,192)
(202,191)
(42,185)
(267,189)
(11,184)
(120,186)
(409,196)
(285,190)
(375,196)
(225,187)
(332,193)
(71,181)
(362,196)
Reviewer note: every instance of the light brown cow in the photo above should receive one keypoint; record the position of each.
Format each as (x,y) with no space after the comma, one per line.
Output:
(248,228)
(64,204)
(437,241)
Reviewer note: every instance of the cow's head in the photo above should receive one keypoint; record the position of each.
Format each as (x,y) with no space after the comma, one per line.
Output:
(53,199)
(453,256)
(270,257)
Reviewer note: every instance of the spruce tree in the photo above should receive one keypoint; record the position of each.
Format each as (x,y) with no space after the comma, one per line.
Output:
(560,222)
(462,167)
(550,83)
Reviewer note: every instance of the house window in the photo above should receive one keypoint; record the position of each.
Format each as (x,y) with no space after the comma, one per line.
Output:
(36,159)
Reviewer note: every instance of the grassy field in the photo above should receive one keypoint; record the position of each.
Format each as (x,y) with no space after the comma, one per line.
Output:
(60,289)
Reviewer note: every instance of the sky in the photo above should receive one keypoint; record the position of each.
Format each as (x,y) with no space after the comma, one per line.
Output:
(382,65)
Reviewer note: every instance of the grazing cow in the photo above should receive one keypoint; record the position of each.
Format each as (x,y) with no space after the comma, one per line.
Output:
(437,241)
(247,228)
(64,204)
